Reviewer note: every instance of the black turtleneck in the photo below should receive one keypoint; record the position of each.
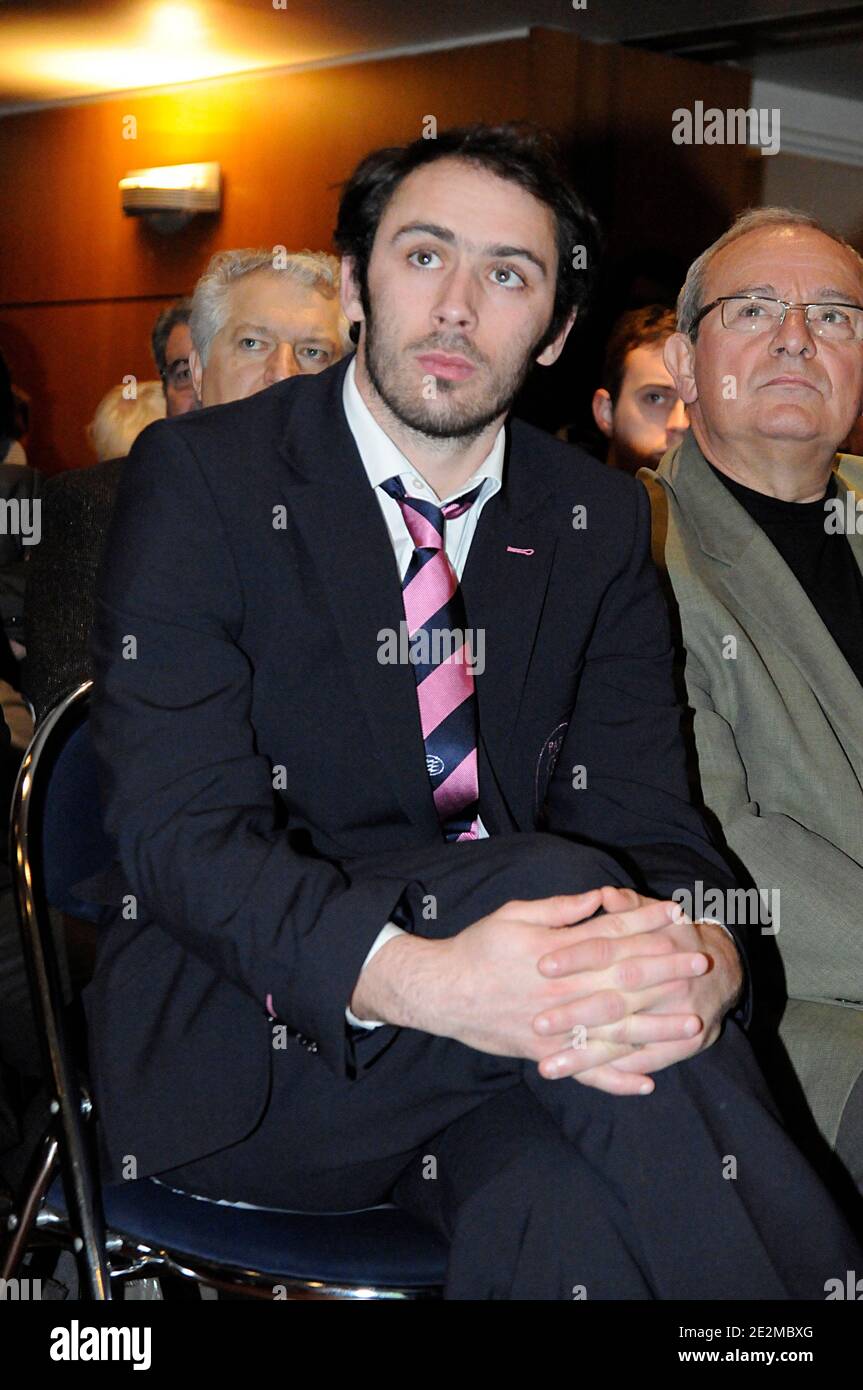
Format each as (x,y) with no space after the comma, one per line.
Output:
(821,560)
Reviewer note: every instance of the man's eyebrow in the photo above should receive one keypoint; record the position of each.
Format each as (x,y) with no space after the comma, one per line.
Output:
(509,252)
(497,251)
(250,328)
(429,228)
(829,293)
(826,294)
(769,291)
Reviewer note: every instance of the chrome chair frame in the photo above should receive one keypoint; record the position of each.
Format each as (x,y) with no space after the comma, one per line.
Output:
(103,1255)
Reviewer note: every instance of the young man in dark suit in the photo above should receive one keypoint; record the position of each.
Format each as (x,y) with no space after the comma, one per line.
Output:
(391,756)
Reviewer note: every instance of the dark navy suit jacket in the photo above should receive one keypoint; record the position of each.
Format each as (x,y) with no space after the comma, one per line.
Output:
(247,577)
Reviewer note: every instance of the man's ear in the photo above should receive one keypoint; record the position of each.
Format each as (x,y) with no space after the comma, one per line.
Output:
(349,292)
(555,348)
(603,411)
(197,370)
(679,357)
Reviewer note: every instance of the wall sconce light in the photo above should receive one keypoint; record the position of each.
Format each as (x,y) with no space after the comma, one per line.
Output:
(170,196)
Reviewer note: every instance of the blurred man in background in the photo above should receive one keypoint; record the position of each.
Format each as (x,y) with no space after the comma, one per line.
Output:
(171,343)
(121,416)
(637,407)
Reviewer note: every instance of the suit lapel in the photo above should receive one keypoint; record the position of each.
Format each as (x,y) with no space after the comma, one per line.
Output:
(849,484)
(770,592)
(757,578)
(504,587)
(329,498)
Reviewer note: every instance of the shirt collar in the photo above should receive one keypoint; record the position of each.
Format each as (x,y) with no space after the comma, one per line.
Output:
(383,459)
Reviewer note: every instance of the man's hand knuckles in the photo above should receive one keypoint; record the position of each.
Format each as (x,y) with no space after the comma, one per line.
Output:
(624,898)
(611,1005)
(514,908)
(596,954)
(558,990)
(628,974)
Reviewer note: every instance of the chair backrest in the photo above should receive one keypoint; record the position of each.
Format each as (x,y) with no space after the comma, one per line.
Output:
(56,817)
(56,840)
(74,843)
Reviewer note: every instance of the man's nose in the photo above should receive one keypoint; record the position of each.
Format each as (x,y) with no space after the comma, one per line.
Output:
(793,335)
(678,418)
(456,303)
(281,364)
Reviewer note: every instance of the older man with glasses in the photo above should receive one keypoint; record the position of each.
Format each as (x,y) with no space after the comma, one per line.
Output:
(757,526)
(172,342)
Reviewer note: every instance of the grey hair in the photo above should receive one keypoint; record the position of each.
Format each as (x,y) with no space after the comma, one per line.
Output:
(317,269)
(691,297)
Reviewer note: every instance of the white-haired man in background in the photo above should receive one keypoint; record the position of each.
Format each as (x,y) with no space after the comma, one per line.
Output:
(261,316)
(257,317)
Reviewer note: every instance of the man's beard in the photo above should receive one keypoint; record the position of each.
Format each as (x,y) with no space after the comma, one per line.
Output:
(445,417)
(628,459)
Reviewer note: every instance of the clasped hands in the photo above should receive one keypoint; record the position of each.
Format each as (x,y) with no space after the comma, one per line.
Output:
(625,993)
(651,988)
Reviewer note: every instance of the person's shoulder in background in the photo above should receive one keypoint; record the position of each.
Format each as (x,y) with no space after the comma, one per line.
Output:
(61,580)
(15,454)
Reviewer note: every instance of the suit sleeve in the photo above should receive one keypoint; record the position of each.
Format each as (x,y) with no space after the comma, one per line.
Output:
(820,936)
(621,779)
(188,798)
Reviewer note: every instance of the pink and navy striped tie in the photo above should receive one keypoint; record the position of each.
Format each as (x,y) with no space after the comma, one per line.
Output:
(434,609)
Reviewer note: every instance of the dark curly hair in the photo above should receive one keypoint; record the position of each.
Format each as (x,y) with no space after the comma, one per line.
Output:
(167,321)
(636,328)
(519,151)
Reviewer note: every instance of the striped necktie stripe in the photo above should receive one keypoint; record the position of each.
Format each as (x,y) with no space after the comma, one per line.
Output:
(436,623)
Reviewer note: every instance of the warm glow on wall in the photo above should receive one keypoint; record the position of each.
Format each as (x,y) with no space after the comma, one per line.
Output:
(171,176)
(174,187)
(175,24)
(159,45)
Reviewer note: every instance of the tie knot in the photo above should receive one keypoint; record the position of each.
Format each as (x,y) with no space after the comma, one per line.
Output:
(420,514)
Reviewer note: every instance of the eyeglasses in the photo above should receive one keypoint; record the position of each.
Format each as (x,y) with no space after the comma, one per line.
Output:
(179,374)
(751,313)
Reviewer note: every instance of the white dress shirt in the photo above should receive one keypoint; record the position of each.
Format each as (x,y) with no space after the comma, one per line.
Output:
(382,459)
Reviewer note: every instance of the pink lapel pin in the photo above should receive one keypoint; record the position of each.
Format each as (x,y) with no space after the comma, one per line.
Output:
(515,550)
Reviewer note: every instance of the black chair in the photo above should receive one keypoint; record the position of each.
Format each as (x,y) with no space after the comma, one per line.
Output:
(144,1228)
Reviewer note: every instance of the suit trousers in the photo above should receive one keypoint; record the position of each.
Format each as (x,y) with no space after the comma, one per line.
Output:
(551,1189)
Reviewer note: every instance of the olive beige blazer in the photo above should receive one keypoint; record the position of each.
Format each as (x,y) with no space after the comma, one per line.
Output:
(778,729)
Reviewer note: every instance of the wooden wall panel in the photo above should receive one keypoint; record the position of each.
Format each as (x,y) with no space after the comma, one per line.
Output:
(283,143)
(80,285)
(71,265)
(659,203)
(679,195)
(66,356)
